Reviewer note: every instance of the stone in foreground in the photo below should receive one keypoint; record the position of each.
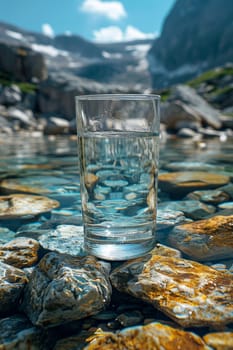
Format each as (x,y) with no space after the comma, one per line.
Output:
(210,196)
(65,239)
(183,182)
(20,205)
(220,340)
(17,333)
(188,292)
(20,252)
(154,336)
(12,281)
(208,239)
(163,250)
(63,288)
(192,209)
(168,218)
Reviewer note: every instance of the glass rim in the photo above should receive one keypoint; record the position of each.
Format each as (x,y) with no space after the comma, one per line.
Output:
(118,97)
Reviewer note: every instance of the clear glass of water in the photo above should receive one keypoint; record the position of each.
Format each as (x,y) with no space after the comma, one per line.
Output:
(118,147)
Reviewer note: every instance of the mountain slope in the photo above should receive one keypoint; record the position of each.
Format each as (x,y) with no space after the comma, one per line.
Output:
(197,35)
(117,63)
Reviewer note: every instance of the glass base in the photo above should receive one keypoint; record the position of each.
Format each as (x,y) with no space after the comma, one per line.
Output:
(119,251)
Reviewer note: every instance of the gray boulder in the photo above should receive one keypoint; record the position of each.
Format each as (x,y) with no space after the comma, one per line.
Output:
(193,104)
(10,95)
(63,288)
(24,118)
(177,115)
(56,126)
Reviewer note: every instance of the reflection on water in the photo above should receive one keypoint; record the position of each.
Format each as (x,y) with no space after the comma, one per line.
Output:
(49,166)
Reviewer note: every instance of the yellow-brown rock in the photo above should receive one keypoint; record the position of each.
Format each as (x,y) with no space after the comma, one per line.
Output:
(184,182)
(90,180)
(190,293)
(19,205)
(154,336)
(220,340)
(14,186)
(208,239)
(161,249)
(20,252)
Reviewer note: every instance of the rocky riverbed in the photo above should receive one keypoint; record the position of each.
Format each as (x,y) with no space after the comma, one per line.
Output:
(55,296)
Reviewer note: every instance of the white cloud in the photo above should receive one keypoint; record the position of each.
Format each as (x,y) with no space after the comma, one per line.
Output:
(47,30)
(132,33)
(114,34)
(108,34)
(113,10)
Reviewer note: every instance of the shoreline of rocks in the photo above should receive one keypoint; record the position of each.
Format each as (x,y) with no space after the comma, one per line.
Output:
(193,110)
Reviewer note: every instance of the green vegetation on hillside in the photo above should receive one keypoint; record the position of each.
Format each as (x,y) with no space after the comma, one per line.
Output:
(211,75)
(25,87)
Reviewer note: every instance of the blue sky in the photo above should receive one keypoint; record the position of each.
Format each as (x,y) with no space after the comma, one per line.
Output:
(96,20)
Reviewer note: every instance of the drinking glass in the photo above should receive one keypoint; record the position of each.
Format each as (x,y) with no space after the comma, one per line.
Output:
(118,147)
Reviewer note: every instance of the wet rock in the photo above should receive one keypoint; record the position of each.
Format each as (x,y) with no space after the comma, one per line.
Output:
(163,250)
(192,166)
(208,239)
(190,293)
(228,189)
(168,218)
(20,205)
(191,208)
(222,265)
(130,318)
(12,281)
(6,235)
(184,182)
(64,239)
(150,337)
(20,252)
(106,315)
(90,180)
(17,333)
(226,205)
(38,184)
(76,342)
(63,288)
(219,340)
(209,196)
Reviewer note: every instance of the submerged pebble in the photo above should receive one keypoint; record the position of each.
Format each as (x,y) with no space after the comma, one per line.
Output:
(206,239)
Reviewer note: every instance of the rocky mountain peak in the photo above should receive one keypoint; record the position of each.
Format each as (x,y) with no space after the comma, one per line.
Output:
(196,36)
